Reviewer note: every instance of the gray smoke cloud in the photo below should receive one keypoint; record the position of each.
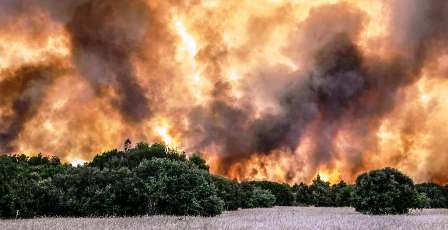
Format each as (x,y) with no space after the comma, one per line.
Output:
(338,87)
(105,36)
(341,86)
(24,92)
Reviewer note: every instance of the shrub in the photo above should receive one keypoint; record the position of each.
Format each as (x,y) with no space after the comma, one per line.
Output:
(384,191)
(320,192)
(303,196)
(11,177)
(154,179)
(436,194)
(282,192)
(199,162)
(421,201)
(131,157)
(20,178)
(255,197)
(87,191)
(341,194)
(138,181)
(179,189)
(229,191)
(260,198)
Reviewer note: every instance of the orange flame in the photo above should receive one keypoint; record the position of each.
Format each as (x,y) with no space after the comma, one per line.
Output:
(195,62)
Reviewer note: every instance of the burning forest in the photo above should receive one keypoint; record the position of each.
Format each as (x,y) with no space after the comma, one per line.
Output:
(272,89)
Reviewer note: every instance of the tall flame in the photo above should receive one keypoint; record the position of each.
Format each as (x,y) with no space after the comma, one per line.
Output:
(270,89)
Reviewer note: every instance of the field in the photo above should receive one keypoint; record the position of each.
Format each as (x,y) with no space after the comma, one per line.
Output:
(269,218)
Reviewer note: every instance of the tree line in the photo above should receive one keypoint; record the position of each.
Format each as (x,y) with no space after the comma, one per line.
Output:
(154,179)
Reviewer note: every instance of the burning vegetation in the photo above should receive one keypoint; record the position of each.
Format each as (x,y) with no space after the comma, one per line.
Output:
(273,89)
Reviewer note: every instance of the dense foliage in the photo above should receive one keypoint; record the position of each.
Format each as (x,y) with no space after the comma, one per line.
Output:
(229,191)
(179,189)
(153,179)
(144,180)
(255,197)
(437,195)
(341,194)
(282,192)
(321,193)
(147,179)
(384,191)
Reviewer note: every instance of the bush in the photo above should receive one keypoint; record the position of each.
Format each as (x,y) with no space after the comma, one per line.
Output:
(255,197)
(199,162)
(341,194)
(89,191)
(384,191)
(137,181)
(20,178)
(229,191)
(154,179)
(179,189)
(131,157)
(436,194)
(320,193)
(302,194)
(421,201)
(282,192)
(16,189)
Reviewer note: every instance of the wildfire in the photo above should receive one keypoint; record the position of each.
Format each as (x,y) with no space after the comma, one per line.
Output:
(271,89)
(187,39)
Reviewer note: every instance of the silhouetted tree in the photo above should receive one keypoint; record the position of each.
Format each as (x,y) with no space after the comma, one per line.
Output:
(320,192)
(199,162)
(302,194)
(341,194)
(127,145)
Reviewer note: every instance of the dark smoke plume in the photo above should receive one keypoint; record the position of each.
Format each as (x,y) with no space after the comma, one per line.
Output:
(23,92)
(106,35)
(127,51)
(341,87)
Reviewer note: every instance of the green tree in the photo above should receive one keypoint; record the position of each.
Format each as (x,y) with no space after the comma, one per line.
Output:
(436,194)
(320,192)
(384,191)
(341,194)
(179,189)
(132,157)
(255,197)
(282,192)
(229,191)
(421,201)
(18,187)
(199,162)
(87,191)
(303,196)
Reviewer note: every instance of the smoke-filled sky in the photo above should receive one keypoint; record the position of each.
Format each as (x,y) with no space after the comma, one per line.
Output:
(269,89)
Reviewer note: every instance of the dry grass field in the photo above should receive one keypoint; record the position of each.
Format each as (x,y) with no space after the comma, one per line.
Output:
(270,218)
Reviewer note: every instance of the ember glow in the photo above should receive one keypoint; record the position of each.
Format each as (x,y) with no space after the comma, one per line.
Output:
(270,89)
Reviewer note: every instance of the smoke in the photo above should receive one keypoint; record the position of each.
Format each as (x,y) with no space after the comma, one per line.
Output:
(105,36)
(341,87)
(276,90)
(325,93)
(22,91)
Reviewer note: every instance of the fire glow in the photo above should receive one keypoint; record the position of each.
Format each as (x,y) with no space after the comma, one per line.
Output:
(279,90)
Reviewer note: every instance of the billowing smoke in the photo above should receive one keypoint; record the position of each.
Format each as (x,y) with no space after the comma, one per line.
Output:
(277,90)
(23,91)
(105,36)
